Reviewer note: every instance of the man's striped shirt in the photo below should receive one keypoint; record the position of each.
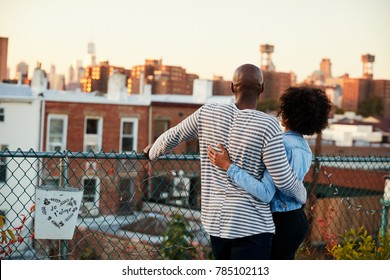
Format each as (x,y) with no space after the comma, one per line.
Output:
(254,141)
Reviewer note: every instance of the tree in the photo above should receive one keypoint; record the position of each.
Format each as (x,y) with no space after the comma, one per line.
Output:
(267,105)
(371,107)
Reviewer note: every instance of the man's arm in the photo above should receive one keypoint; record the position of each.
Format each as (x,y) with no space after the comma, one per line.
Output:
(170,139)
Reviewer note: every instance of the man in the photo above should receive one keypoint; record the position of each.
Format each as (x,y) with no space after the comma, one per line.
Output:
(240,226)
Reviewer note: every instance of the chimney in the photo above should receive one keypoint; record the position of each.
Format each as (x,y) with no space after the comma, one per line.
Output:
(117,89)
(141,82)
(202,90)
(39,80)
(20,78)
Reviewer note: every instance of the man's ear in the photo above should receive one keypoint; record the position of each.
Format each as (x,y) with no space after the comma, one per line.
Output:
(232,87)
(262,87)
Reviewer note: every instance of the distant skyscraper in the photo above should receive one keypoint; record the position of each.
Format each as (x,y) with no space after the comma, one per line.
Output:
(322,77)
(3,58)
(91,48)
(326,68)
(91,55)
(96,77)
(164,79)
(52,76)
(75,73)
(71,74)
(58,82)
(21,71)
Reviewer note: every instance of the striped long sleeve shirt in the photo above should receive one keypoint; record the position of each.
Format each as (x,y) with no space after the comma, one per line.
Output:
(254,141)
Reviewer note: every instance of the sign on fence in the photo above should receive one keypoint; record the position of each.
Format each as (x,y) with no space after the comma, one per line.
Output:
(56,212)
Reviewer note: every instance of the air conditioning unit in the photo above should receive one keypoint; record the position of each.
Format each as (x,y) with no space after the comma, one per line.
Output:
(90,165)
(159,188)
(88,209)
(181,189)
(91,142)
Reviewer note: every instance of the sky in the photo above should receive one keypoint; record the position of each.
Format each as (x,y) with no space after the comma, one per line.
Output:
(206,37)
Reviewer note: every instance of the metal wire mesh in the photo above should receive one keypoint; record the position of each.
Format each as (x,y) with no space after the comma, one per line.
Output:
(132,209)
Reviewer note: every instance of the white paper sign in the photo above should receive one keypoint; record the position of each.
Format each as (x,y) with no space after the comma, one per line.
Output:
(56,212)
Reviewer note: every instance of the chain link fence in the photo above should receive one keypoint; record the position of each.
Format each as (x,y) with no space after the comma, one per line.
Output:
(132,209)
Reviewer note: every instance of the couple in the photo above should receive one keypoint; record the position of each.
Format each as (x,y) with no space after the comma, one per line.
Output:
(245,170)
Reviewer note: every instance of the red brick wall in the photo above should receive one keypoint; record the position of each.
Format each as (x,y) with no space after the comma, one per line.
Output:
(175,113)
(107,170)
(111,115)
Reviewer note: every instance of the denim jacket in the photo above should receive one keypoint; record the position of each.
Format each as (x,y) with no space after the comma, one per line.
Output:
(299,156)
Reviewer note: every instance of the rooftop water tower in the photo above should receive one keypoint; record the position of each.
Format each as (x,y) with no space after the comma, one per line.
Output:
(368,63)
(265,54)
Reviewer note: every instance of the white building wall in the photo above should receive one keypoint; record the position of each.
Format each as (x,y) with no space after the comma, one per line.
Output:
(345,135)
(20,129)
(202,90)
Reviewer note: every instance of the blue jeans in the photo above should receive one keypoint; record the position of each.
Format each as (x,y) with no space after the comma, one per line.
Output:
(254,247)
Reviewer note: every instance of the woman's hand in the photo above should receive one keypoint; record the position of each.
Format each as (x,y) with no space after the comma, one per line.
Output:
(220,159)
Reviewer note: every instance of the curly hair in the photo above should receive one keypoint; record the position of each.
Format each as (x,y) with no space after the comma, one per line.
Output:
(305,109)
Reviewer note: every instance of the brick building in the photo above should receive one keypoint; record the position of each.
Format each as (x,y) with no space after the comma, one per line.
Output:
(358,90)
(96,76)
(164,79)
(355,90)
(275,84)
(115,122)
(221,86)
(381,89)
(3,58)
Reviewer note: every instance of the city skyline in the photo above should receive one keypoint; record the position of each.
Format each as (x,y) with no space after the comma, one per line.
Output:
(204,38)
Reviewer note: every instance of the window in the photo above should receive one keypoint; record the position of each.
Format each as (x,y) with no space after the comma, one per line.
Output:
(56,136)
(51,181)
(160,126)
(93,134)
(90,200)
(129,130)
(192,147)
(3,170)
(3,165)
(89,185)
(126,191)
(1,114)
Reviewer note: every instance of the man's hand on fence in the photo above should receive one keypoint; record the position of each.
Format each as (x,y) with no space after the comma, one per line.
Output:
(145,151)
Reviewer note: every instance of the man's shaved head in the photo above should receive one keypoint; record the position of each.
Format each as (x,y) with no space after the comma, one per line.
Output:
(247,85)
(248,77)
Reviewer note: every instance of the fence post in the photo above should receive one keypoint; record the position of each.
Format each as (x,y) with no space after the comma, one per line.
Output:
(64,168)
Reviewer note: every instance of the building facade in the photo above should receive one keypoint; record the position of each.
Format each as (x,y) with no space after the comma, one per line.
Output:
(3,58)
(19,129)
(96,77)
(164,79)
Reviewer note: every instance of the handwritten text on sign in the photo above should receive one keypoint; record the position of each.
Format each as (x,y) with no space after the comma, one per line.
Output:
(59,211)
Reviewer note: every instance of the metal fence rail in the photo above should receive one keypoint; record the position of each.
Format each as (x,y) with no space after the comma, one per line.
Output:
(132,209)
